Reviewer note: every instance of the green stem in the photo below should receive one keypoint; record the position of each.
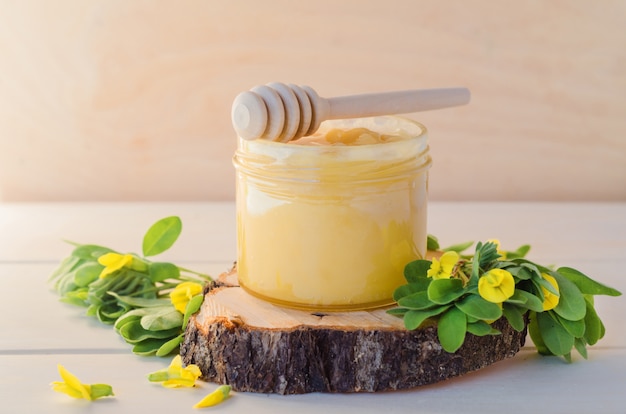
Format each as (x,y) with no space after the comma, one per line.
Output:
(475,265)
(156,289)
(193,279)
(72,243)
(202,275)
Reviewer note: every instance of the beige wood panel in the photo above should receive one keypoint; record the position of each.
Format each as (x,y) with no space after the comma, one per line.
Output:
(130,99)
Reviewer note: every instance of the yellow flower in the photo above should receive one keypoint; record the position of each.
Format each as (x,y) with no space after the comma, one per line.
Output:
(182,294)
(75,389)
(114,262)
(497,285)
(550,300)
(176,375)
(502,253)
(220,394)
(442,268)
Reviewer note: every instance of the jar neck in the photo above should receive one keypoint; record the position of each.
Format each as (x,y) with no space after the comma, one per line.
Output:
(331,170)
(405,155)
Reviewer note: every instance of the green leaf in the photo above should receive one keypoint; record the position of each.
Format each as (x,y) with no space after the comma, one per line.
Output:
(137,312)
(87,273)
(543,283)
(410,288)
(405,290)
(571,304)
(64,276)
(476,264)
(77,298)
(133,333)
(67,265)
(527,300)
(147,290)
(471,319)
(161,235)
(131,285)
(90,251)
(161,319)
(100,390)
(555,336)
(149,346)
(481,328)
(451,329)
(535,334)
(486,254)
(431,242)
(397,311)
(515,317)
(416,301)
(139,302)
(532,268)
(520,272)
(581,347)
(416,270)
(126,318)
(575,328)
(92,310)
(414,318)
(109,313)
(458,247)
(594,329)
(477,307)
(169,346)
(160,271)
(192,307)
(159,376)
(99,288)
(585,284)
(443,291)
(521,252)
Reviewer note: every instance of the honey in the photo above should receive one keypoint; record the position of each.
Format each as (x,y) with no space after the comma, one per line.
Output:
(328,222)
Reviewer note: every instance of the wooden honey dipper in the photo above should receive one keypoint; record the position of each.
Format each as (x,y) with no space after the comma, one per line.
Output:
(281,112)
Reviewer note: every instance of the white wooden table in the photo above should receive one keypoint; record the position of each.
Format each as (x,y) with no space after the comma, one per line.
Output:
(38,332)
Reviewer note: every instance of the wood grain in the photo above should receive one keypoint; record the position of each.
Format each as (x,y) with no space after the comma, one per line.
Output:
(130,100)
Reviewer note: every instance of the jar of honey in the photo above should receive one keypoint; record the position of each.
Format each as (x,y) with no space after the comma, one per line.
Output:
(328,222)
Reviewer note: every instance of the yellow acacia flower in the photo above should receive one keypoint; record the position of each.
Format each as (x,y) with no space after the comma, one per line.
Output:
(220,394)
(75,389)
(497,285)
(182,294)
(114,262)
(550,300)
(501,252)
(442,268)
(176,375)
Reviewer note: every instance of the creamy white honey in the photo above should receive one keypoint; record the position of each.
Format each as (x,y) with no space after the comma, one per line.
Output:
(328,222)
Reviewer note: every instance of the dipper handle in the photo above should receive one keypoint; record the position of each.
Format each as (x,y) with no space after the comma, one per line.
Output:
(399,102)
(280,112)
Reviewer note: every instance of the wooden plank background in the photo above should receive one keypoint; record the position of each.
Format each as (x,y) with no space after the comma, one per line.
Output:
(130,99)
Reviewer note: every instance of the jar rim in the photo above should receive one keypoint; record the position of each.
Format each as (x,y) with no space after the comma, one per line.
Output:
(417,141)
(337,163)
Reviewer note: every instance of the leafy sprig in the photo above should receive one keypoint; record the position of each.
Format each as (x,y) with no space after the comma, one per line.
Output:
(556,305)
(130,291)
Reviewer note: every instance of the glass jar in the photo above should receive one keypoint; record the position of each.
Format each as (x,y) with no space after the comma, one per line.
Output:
(331,227)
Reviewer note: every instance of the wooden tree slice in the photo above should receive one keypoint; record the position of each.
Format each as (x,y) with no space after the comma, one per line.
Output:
(255,346)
